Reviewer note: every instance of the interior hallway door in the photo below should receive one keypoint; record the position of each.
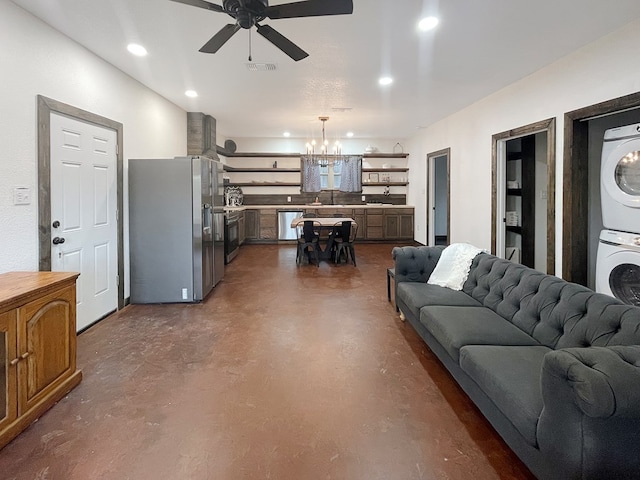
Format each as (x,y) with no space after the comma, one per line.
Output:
(84,213)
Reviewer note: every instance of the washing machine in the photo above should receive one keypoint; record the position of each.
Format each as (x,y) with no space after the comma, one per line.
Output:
(618,266)
(620,179)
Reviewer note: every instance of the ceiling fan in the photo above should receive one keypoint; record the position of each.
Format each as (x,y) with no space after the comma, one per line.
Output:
(248,13)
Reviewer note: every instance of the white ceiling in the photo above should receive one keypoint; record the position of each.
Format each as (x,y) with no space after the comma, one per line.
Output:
(479,47)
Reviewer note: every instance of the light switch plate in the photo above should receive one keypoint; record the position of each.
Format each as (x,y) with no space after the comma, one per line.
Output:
(21,196)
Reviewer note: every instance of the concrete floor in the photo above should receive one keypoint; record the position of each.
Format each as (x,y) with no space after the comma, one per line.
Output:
(284,372)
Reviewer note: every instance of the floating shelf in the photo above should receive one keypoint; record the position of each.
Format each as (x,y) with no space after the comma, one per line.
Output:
(394,169)
(265,184)
(384,184)
(260,170)
(259,155)
(385,155)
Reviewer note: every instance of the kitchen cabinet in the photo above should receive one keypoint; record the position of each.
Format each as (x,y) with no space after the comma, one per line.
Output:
(398,224)
(241,228)
(374,219)
(37,346)
(251,225)
(268,224)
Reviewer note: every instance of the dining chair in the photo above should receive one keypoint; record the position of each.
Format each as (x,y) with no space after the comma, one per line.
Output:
(343,237)
(308,238)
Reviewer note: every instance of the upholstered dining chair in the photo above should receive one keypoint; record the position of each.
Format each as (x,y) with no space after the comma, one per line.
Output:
(308,238)
(343,237)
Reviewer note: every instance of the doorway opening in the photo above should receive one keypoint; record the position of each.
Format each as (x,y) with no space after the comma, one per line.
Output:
(582,220)
(523,195)
(46,107)
(438,197)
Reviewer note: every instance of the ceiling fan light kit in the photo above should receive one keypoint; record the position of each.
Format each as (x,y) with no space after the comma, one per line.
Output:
(248,13)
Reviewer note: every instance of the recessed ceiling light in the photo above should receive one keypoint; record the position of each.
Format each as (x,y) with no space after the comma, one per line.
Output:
(286,134)
(137,50)
(428,23)
(385,80)
(191,93)
(349,134)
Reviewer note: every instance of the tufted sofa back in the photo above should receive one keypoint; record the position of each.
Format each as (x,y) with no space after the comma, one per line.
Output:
(415,264)
(556,313)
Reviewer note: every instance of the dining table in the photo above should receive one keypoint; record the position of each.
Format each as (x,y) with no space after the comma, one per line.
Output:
(323,223)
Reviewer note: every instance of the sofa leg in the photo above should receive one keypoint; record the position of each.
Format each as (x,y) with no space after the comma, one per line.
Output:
(402,317)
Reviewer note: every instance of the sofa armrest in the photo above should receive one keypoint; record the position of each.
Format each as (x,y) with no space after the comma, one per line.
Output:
(415,264)
(604,381)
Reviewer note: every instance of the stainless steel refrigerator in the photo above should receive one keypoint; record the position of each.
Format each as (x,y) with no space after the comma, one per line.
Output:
(176,228)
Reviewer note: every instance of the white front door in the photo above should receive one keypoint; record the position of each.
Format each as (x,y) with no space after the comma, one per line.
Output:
(83,213)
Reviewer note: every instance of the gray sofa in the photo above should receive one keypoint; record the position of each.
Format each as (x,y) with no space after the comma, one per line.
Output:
(554,366)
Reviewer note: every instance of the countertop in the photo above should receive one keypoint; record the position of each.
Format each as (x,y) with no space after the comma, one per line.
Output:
(289,206)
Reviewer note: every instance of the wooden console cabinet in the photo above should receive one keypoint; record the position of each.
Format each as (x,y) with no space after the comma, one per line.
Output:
(37,346)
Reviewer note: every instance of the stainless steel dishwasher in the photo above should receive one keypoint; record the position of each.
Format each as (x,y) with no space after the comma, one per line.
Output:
(285,232)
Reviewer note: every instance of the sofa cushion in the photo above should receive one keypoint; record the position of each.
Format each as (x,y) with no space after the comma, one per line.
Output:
(510,377)
(417,294)
(454,327)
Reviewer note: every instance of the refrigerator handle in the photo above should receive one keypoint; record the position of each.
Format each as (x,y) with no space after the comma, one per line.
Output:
(206,219)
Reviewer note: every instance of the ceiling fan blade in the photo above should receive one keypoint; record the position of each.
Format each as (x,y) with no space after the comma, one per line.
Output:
(202,4)
(283,43)
(220,38)
(310,8)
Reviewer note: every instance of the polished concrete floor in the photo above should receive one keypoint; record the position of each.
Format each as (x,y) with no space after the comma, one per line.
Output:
(284,372)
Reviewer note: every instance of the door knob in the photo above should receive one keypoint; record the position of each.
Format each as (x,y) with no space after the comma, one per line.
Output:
(57,240)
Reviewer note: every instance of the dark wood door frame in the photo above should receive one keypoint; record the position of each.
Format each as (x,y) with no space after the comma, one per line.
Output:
(45,107)
(575,224)
(548,126)
(433,155)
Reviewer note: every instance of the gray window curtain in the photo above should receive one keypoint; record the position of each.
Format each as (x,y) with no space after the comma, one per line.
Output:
(351,174)
(310,175)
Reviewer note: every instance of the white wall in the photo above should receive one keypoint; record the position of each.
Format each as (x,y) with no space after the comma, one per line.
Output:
(35,59)
(601,71)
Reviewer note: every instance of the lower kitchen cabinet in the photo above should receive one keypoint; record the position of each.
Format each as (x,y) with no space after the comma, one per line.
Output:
(37,346)
(268,224)
(251,225)
(241,228)
(374,230)
(398,224)
(374,224)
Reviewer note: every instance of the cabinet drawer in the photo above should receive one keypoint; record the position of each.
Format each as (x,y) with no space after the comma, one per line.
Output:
(400,211)
(374,220)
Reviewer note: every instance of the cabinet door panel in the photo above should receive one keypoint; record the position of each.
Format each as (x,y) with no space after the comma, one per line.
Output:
(251,224)
(406,226)
(45,345)
(268,225)
(391,226)
(8,385)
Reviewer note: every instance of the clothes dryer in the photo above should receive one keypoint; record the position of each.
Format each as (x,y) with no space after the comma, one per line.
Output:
(618,266)
(620,179)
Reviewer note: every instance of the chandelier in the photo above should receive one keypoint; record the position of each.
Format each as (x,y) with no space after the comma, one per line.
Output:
(324,157)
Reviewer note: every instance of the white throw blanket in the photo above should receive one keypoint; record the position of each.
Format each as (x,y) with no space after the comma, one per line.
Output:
(454,265)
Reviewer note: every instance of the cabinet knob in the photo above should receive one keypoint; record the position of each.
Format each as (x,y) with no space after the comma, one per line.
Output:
(14,361)
(25,355)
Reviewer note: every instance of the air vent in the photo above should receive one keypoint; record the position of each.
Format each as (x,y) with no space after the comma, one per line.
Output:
(261,67)
(341,109)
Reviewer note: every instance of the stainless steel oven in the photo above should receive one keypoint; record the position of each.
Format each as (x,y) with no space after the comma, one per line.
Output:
(231,236)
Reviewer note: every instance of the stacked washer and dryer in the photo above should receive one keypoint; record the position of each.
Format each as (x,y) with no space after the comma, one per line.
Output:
(618,259)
